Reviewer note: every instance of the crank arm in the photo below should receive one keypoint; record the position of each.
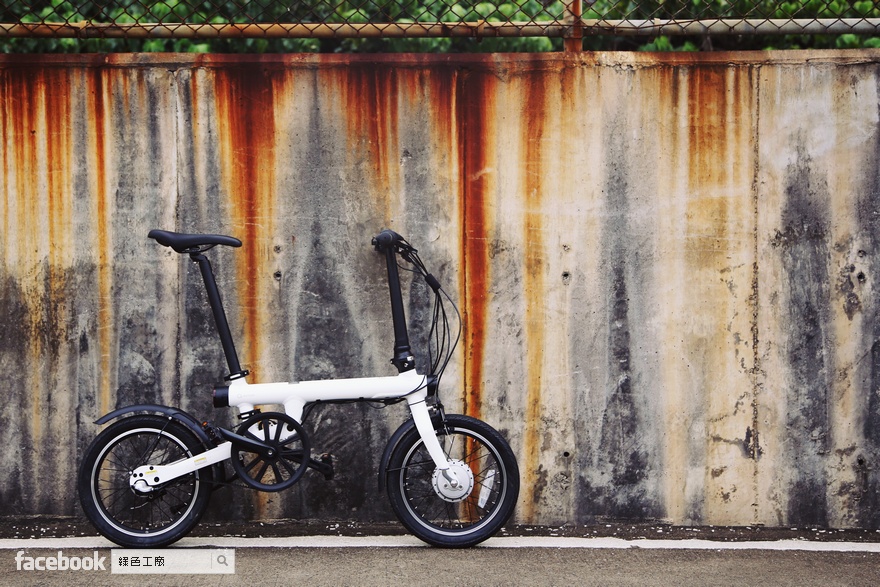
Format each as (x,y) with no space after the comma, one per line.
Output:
(148,477)
(323,465)
(248,444)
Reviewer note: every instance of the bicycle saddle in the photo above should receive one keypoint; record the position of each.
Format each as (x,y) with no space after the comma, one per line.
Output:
(191,243)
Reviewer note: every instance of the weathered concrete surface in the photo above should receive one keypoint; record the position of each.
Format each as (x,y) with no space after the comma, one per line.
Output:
(666,265)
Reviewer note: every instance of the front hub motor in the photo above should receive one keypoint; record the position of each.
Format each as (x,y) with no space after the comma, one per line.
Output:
(453,484)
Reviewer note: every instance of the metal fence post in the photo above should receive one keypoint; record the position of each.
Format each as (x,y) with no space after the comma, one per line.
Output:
(574,36)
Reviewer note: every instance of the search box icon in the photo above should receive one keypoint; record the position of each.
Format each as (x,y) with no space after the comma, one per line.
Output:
(173,561)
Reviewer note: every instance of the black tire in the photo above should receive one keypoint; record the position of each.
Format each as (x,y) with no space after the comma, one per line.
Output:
(473,514)
(137,520)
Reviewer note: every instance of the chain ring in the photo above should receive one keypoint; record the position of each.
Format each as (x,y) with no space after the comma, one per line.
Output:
(286,466)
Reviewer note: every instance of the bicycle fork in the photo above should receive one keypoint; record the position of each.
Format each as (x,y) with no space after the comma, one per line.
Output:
(418,406)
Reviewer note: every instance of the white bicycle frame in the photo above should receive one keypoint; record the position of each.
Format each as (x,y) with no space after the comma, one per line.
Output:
(408,385)
(294,397)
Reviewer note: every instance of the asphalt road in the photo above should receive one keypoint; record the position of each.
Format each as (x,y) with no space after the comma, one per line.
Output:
(402,562)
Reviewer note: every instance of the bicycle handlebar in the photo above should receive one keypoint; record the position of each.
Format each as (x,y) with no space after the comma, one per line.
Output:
(387,238)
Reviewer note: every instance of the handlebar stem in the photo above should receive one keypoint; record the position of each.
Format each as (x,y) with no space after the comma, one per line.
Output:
(387,242)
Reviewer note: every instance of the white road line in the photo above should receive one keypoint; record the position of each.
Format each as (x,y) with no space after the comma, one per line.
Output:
(94,542)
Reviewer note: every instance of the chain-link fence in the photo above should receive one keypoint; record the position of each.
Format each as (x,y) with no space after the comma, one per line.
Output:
(323,23)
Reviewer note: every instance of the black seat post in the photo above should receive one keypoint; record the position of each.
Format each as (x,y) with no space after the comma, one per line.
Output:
(235,370)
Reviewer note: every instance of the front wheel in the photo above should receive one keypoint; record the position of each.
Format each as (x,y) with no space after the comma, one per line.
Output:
(463,513)
(135,518)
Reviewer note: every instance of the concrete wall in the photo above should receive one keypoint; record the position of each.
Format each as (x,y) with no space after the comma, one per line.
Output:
(667,266)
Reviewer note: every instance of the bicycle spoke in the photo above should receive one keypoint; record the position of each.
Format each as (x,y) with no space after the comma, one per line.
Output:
(116,494)
(430,506)
(288,466)
(263,469)
(256,461)
(165,512)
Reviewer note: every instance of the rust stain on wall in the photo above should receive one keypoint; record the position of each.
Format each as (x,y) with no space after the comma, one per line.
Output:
(25,124)
(443,83)
(719,253)
(474,113)
(371,108)
(7,100)
(37,212)
(535,114)
(58,167)
(98,133)
(246,118)
(24,134)
(708,177)
(59,214)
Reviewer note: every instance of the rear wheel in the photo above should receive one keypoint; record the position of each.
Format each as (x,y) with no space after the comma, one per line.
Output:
(463,513)
(142,519)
